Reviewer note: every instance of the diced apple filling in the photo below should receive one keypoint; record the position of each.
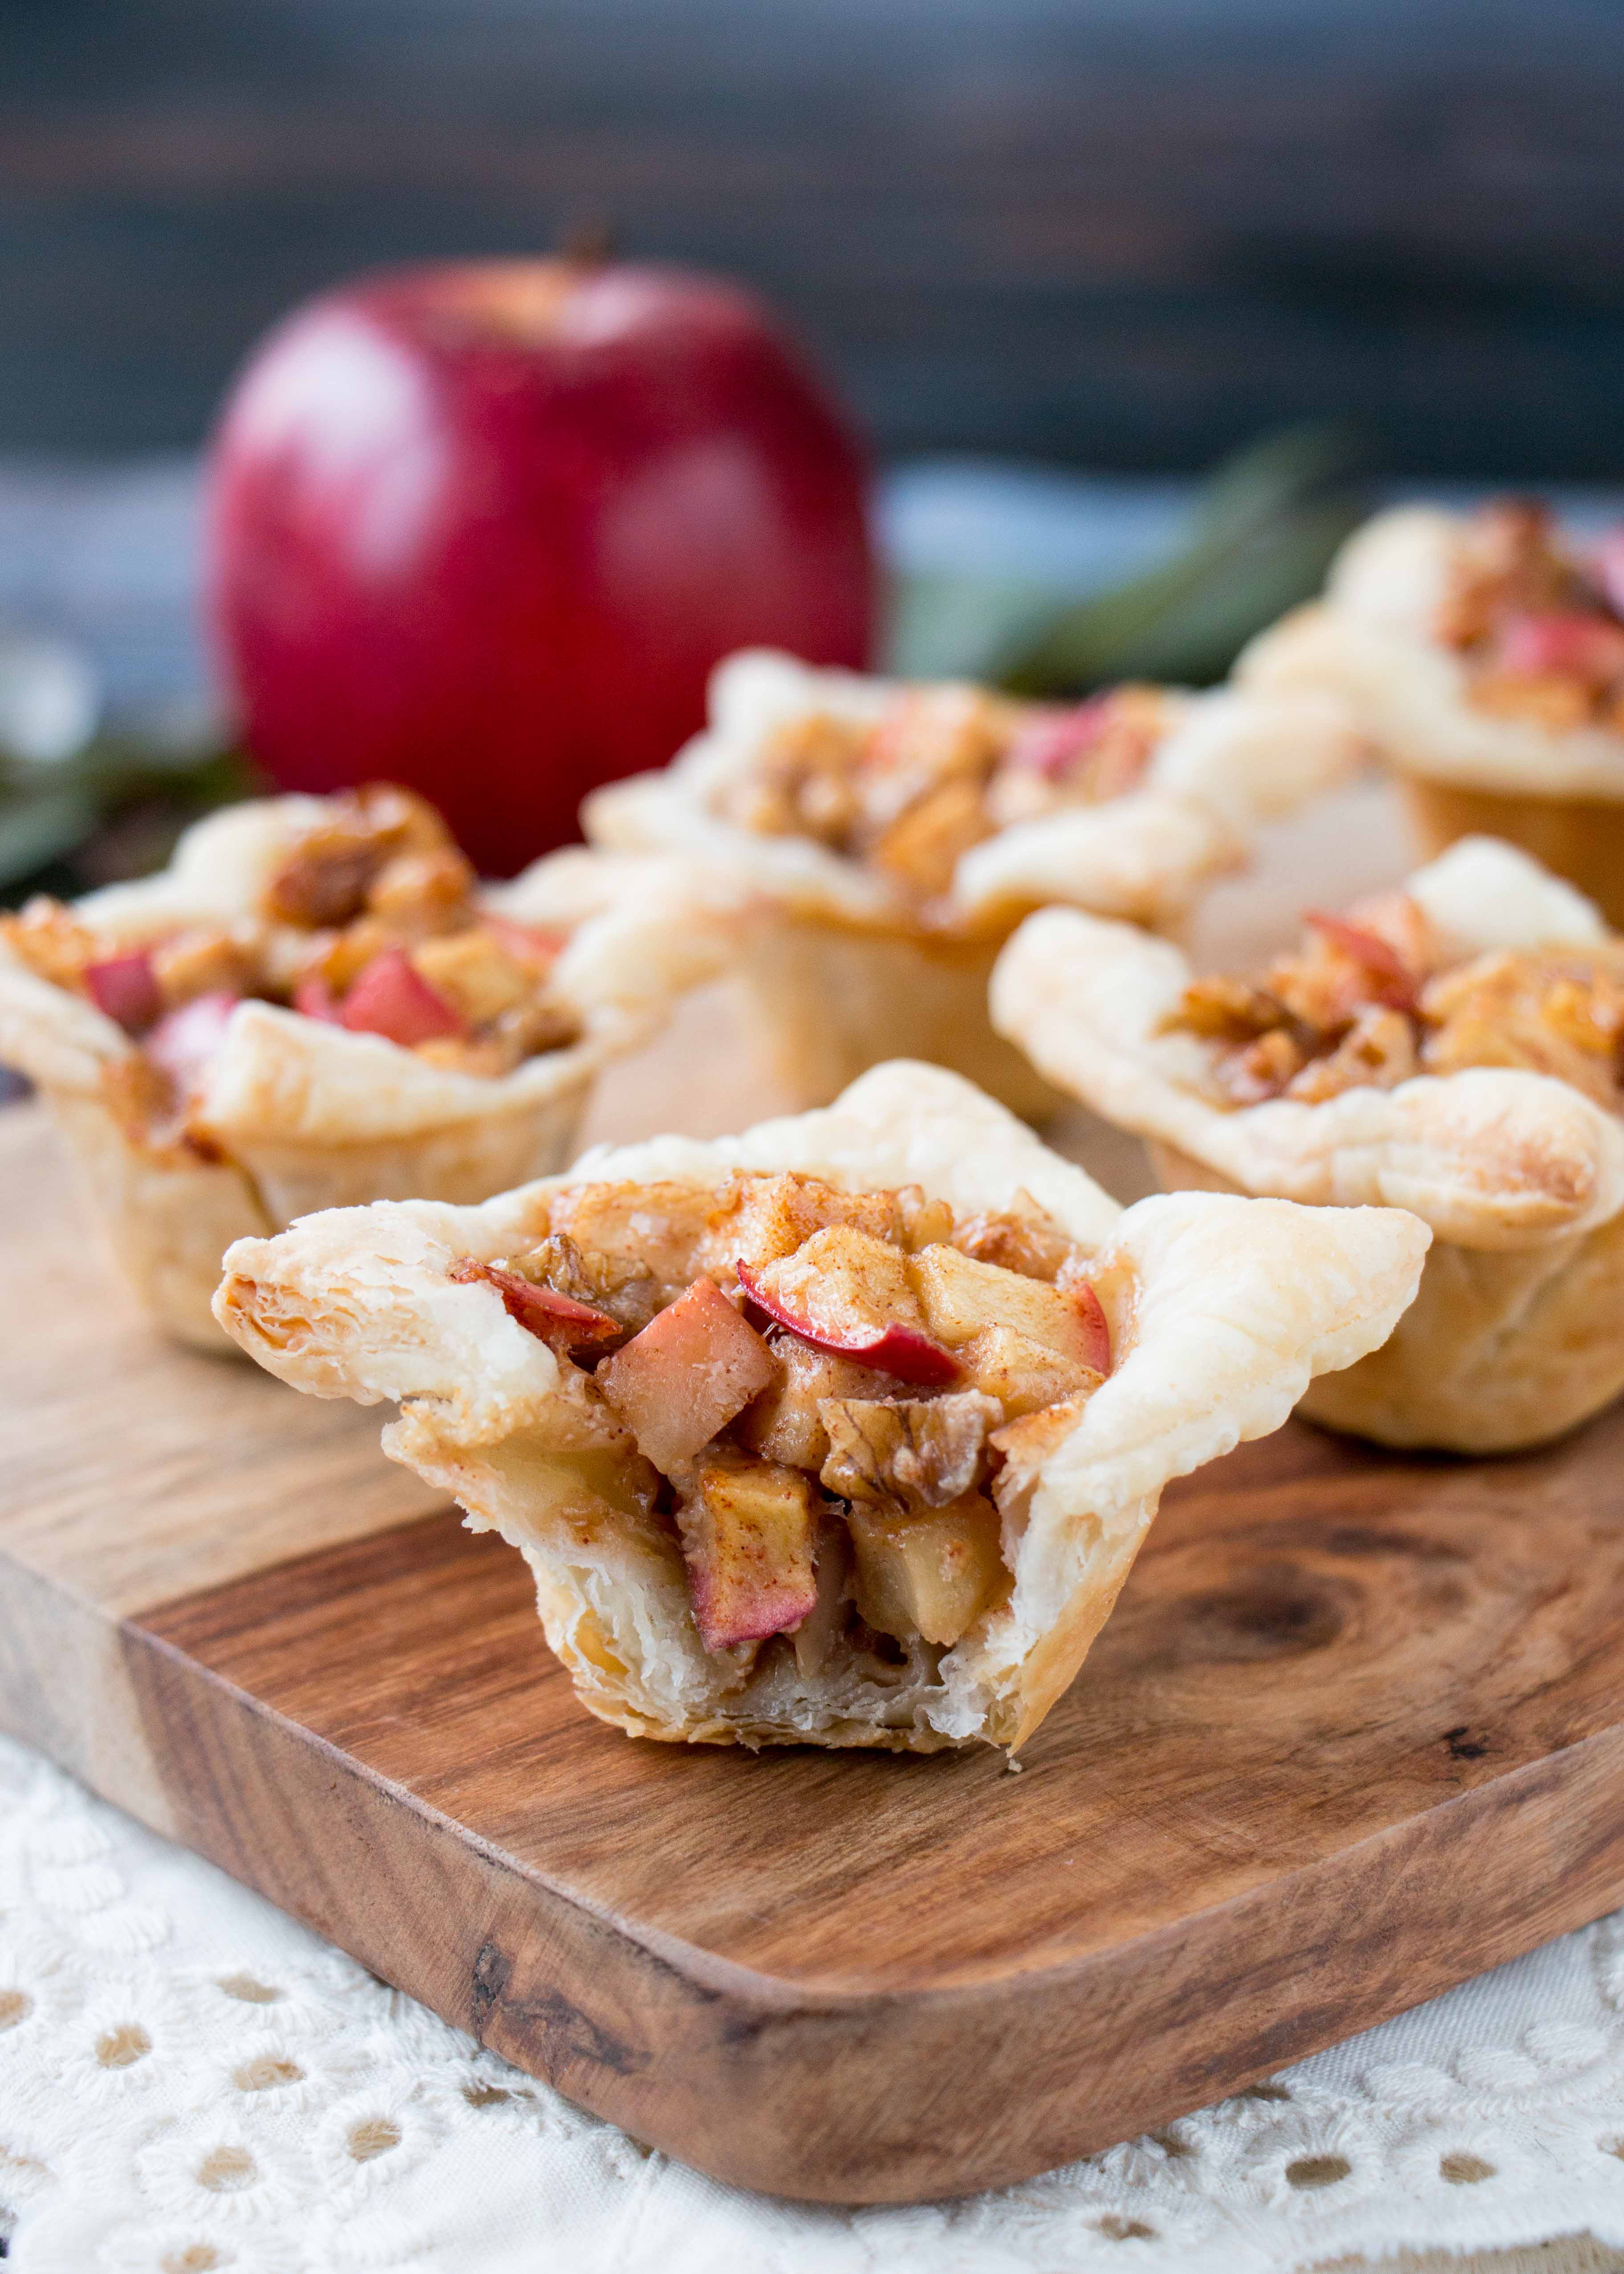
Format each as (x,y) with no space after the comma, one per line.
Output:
(846,1428)
(930,1574)
(1376,997)
(941,769)
(749,1530)
(684,1377)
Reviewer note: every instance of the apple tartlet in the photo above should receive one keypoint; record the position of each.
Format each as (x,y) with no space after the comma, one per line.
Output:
(315,1005)
(893,835)
(1453,1047)
(1483,656)
(844,1431)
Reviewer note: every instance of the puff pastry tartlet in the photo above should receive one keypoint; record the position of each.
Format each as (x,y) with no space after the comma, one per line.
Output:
(1452,1047)
(314,1005)
(1483,656)
(894,834)
(846,1430)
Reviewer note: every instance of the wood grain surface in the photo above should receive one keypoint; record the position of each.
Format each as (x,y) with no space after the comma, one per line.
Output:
(1356,1732)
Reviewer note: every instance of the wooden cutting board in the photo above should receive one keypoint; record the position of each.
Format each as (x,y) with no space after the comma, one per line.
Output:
(1355,1732)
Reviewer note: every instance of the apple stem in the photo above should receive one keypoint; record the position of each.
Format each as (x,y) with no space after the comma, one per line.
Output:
(591,241)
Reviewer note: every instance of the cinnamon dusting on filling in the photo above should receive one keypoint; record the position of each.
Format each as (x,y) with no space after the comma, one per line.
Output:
(1376,995)
(942,769)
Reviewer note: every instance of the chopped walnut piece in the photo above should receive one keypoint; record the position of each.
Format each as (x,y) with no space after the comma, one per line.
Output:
(657,1227)
(474,973)
(202,962)
(803,783)
(1224,1011)
(1554,1013)
(327,877)
(921,1451)
(921,848)
(1024,1239)
(324,881)
(619,1284)
(425,893)
(1378,1052)
(1263,1069)
(931,735)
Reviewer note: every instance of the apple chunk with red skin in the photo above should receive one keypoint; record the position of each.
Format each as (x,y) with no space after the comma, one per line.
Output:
(686,1374)
(559,1321)
(391,999)
(750,1539)
(126,988)
(848,1293)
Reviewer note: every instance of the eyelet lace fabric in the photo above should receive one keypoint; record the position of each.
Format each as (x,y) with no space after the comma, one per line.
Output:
(189,2081)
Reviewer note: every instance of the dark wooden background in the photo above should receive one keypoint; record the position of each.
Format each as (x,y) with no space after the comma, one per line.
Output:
(1120,232)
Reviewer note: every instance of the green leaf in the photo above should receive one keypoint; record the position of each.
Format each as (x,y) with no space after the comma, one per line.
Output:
(1264,534)
(37,829)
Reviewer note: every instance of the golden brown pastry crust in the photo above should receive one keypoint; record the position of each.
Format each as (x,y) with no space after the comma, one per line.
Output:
(306,1115)
(1221,1309)
(1519,1176)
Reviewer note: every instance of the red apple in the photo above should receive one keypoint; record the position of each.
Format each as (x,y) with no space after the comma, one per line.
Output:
(893,1348)
(486,528)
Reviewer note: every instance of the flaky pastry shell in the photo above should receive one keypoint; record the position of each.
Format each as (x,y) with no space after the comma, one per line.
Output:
(304,1115)
(1517,1333)
(845,974)
(1369,645)
(1221,1311)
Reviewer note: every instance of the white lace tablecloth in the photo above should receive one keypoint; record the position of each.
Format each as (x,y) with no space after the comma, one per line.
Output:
(190,2082)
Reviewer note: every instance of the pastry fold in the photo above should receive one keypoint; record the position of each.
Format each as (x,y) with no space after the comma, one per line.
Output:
(1369,645)
(1221,1311)
(1518,1331)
